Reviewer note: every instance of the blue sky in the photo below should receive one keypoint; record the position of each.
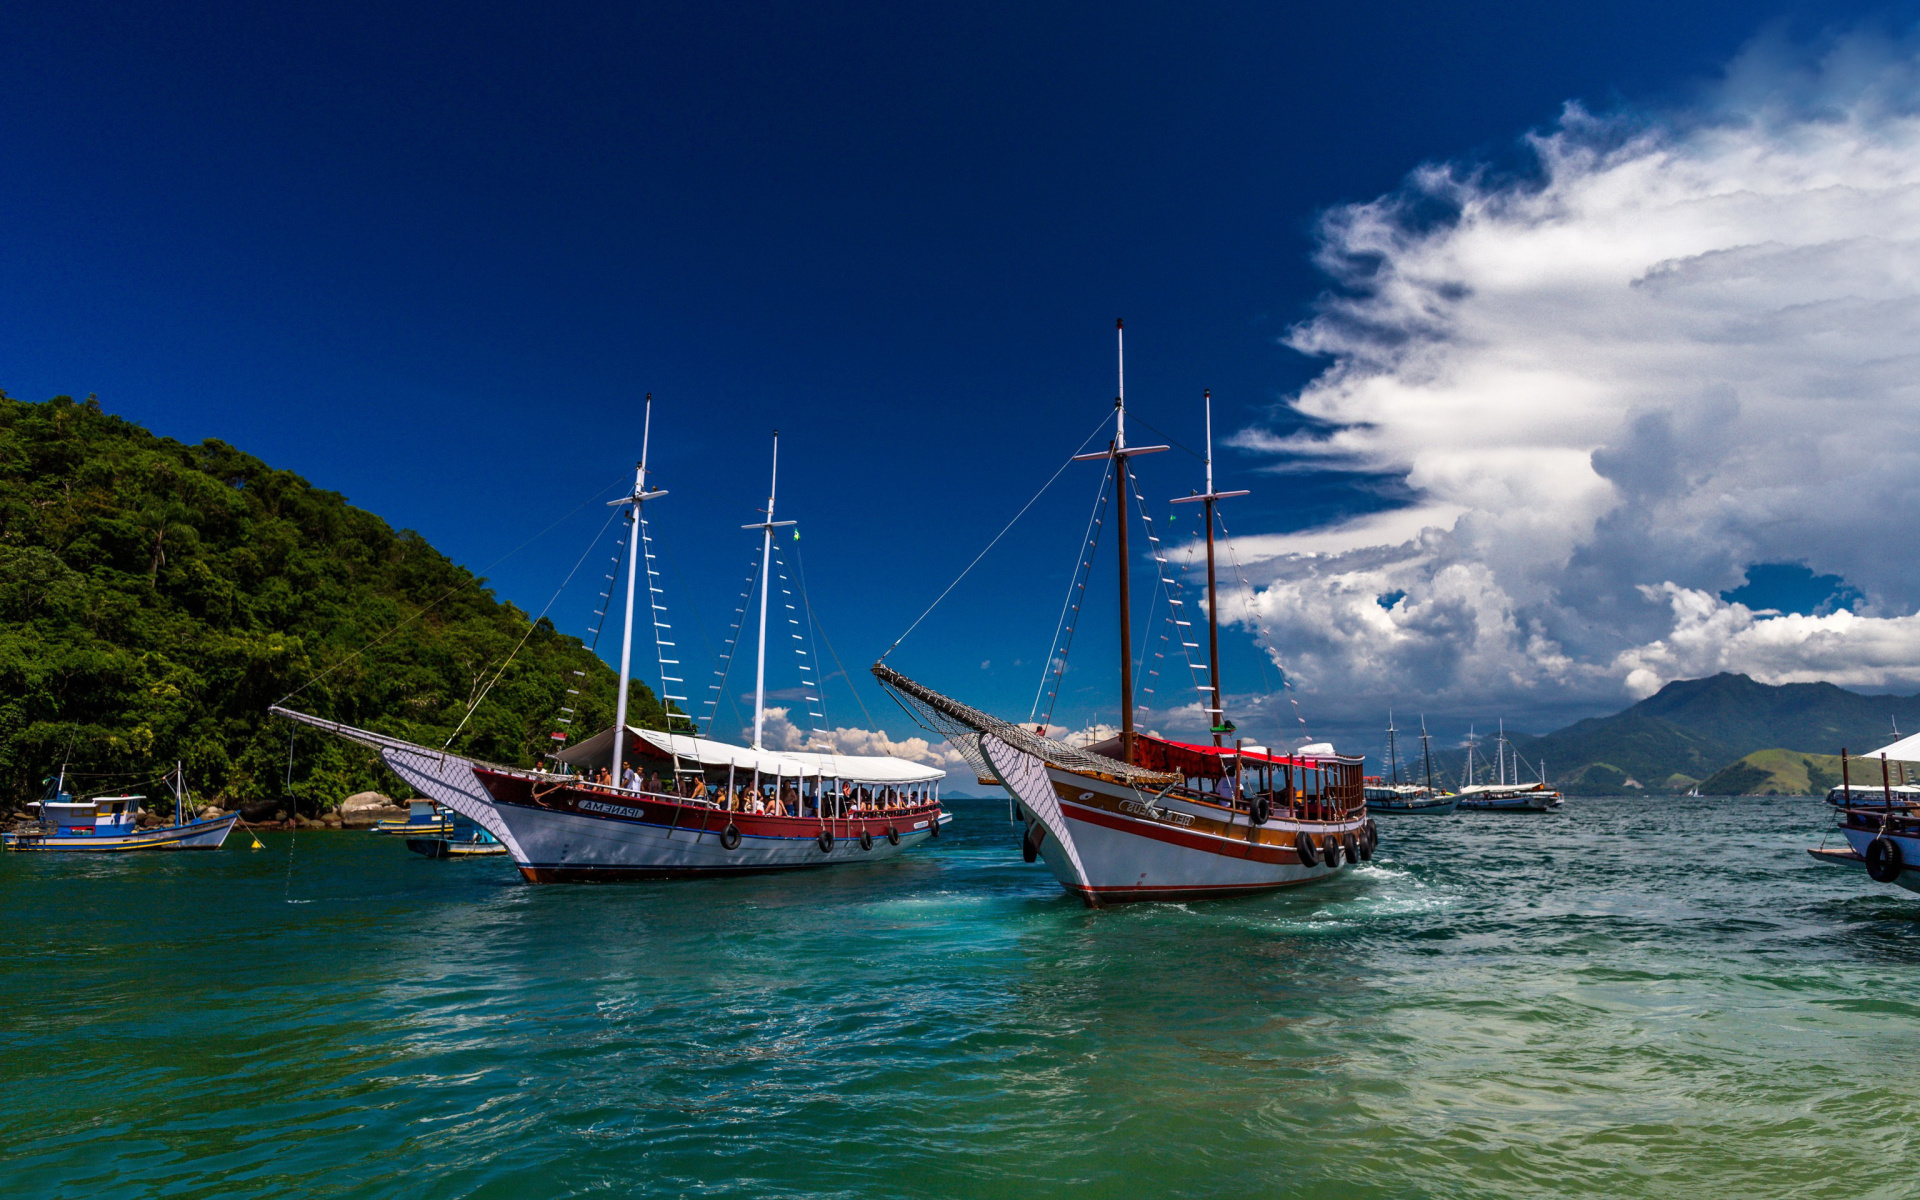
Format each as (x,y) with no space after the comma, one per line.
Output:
(432,256)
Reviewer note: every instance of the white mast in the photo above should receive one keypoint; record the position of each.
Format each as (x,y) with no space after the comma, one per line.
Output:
(1503,752)
(640,493)
(766,567)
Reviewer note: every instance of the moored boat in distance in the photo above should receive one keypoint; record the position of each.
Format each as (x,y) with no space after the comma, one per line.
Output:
(1390,796)
(424,819)
(1506,793)
(464,838)
(111,823)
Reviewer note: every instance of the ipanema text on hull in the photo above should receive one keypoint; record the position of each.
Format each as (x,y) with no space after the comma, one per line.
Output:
(653,804)
(1146,818)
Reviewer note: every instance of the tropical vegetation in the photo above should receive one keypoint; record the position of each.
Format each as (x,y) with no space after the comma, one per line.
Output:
(156,598)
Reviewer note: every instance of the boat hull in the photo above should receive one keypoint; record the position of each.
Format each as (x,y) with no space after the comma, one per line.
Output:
(1525,802)
(1438,807)
(1107,842)
(198,835)
(1856,853)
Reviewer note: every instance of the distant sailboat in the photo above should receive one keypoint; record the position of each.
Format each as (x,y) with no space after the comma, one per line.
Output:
(1391,796)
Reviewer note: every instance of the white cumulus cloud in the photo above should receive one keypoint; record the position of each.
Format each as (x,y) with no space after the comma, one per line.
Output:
(1687,343)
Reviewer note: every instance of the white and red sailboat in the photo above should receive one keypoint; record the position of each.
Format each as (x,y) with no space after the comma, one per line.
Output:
(721,810)
(1141,817)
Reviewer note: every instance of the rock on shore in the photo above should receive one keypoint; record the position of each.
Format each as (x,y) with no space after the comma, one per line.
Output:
(364,810)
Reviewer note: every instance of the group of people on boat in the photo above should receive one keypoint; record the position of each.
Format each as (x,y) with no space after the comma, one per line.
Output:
(781,799)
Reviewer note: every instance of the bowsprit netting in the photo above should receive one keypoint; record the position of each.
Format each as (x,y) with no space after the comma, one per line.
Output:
(963,725)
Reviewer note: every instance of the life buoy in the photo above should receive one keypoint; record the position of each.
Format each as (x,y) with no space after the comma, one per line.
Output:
(1352,845)
(893,836)
(825,841)
(1029,847)
(866,839)
(730,837)
(1303,845)
(1260,810)
(1884,860)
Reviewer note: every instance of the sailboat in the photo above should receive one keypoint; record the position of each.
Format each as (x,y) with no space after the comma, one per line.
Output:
(1502,794)
(1141,817)
(1390,795)
(724,810)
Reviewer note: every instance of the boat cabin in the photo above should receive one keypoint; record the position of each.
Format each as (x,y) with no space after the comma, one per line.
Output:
(1313,783)
(101,816)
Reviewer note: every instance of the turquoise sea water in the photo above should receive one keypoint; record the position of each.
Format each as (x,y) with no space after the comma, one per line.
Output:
(1625,998)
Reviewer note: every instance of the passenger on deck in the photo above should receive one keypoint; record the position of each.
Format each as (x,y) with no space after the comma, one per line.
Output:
(759,803)
(629,778)
(653,781)
(699,788)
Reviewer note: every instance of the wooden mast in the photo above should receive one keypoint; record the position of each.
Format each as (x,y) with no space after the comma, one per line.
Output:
(1119,452)
(1213,594)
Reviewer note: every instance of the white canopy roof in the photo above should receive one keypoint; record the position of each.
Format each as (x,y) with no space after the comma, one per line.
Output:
(789,764)
(1907,749)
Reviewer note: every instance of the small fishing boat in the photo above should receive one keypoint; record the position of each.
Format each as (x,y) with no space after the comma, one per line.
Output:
(424,819)
(112,823)
(1881,825)
(465,839)
(1391,796)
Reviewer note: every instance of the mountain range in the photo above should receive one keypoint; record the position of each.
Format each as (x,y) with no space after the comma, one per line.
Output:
(1696,731)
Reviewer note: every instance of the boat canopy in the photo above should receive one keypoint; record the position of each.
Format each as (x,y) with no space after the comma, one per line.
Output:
(1209,762)
(654,744)
(1907,749)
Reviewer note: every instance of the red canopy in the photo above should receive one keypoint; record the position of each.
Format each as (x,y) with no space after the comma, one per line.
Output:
(1185,758)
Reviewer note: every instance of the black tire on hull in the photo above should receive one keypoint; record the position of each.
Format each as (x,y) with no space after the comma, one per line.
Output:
(866,840)
(825,841)
(933,830)
(1261,810)
(1884,860)
(893,836)
(1330,850)
(1303,845)
(1352,844)
(730,837)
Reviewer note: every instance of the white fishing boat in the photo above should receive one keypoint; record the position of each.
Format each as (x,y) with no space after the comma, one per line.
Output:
(1147,818)
(98,824)
(675,805)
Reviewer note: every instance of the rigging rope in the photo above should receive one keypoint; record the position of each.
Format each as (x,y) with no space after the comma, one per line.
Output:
(1253,614)
(996,540)
(472,579)
(1056,665)
(531,626)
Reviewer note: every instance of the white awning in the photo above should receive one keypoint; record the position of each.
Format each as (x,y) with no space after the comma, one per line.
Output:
(789,764)
(1907,749)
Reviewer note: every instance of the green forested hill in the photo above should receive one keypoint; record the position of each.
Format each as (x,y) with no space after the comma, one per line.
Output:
(1692,728)
(155,598)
